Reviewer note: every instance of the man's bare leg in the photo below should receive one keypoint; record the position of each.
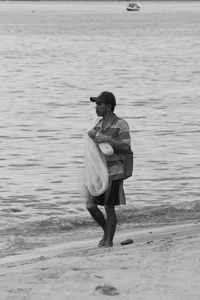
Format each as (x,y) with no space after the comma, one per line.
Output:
(111,224)
(98,216)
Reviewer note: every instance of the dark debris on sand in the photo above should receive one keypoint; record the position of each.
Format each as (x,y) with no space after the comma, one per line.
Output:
(107,290)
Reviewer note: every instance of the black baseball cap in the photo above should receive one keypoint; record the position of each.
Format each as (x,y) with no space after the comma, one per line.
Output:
(105,97)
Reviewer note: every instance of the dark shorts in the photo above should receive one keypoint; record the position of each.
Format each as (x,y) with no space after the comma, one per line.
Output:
(113,196)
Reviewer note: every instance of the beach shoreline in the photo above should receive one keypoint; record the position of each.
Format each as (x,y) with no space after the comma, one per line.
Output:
(162,263)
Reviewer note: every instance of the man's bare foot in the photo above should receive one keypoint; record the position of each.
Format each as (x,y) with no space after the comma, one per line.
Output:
(108,244)
(101,243)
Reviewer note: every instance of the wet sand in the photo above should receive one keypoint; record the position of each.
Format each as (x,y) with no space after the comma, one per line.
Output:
(161,263)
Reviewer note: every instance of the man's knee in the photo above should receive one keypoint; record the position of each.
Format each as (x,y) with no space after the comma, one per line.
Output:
(110,210)
(91,207)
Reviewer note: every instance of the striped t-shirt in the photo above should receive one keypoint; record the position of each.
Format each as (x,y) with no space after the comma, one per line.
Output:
(118,130)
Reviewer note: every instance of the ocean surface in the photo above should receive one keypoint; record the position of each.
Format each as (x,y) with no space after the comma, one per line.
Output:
(53,57)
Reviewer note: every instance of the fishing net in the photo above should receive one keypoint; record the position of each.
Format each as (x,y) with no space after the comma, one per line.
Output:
(95,170)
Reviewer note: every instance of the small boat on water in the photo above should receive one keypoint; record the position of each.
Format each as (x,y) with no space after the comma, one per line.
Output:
(133,6)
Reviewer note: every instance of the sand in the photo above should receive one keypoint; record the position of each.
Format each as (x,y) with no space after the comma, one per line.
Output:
(162,263)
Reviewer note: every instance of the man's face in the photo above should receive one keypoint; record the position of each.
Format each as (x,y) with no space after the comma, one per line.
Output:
(101,108)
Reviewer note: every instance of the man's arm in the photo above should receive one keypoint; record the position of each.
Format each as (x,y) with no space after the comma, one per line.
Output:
(119,145)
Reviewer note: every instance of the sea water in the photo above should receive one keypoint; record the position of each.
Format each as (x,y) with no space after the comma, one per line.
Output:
(53,57)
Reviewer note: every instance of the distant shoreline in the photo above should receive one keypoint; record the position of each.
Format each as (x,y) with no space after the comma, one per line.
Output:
(102,0)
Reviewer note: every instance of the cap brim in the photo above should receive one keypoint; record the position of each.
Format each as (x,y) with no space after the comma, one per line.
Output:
(93,99)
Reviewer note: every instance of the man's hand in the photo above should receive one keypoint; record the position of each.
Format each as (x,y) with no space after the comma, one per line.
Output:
(98,137)
(101,138)
(92,133)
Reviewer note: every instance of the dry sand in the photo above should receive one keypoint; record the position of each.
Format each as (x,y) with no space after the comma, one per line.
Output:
(163,263)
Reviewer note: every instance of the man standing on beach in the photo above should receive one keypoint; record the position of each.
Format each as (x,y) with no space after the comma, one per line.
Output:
(115,131)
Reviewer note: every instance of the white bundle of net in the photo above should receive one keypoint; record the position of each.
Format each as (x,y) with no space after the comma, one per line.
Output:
(95,172)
